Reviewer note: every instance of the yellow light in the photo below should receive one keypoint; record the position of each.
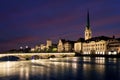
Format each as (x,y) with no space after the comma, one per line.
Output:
(103,53)
(74,65)
(32,60)
(114,52)
(109,53)
(52,58)
(75,59)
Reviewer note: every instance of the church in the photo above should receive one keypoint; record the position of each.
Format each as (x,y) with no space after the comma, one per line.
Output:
(101,45)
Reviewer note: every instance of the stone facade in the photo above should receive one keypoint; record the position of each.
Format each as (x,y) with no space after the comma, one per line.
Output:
(42,47)
(78,47)
(88,33)
(48,44)
(114,46)
(100,45)
(65,46)
(60,46)
(94,47)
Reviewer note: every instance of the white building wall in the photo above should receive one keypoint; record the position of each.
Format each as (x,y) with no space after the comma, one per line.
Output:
(78,47)
(48,43)
(93,47)
(60,46)
(67,47)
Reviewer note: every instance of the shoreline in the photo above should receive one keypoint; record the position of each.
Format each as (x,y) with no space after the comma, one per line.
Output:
(30,56)
(95,55)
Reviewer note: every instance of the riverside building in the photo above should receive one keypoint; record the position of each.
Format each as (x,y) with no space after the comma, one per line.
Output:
(101,45)
(65,45)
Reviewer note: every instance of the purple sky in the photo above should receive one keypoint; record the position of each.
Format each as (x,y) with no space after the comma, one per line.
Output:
(31,22)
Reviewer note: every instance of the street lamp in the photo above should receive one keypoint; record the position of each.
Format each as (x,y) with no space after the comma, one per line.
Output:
(21,47)
(26,46)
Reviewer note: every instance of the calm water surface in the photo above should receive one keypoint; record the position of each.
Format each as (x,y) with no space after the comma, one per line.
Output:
(74,68)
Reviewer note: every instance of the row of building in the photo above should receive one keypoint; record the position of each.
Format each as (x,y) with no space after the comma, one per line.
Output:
(88,45)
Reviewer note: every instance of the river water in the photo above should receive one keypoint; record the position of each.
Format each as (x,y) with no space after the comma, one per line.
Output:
(72,68)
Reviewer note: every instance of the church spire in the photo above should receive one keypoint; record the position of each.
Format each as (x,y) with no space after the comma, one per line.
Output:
(88,32)
(88,20)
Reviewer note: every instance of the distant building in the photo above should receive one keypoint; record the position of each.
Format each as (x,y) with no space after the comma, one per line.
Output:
(114,46)
(48,44)
(69,46)
(32,49)
(48,47)
(60,45)
(65,45)
(35,49)
(42,47)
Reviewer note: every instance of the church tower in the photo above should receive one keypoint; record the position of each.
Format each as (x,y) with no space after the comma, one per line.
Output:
(88,32)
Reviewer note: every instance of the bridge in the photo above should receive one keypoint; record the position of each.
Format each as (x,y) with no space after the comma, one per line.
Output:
(29,56)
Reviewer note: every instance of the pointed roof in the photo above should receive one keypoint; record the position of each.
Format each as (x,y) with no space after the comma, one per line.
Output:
(88,20)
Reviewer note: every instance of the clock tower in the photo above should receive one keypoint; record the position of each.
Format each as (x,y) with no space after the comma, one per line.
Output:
(88,32)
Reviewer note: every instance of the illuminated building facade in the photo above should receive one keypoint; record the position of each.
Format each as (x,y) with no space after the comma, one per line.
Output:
(48,43)
(42,47)
(65,46)
(100,45)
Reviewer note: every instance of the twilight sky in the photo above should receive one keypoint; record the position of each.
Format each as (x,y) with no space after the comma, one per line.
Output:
(31,22)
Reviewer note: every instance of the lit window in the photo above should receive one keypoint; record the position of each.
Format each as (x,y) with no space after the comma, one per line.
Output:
(88,52)
(109,53)
(103,53)
(114,52)
(96,52)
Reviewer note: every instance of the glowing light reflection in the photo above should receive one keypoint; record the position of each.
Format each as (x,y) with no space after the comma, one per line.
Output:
(87,59)
(74,65)
(100,60)
(75,59)
(27,73)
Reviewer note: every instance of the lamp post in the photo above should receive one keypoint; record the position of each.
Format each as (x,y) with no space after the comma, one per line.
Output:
(21,49)
(26,47)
